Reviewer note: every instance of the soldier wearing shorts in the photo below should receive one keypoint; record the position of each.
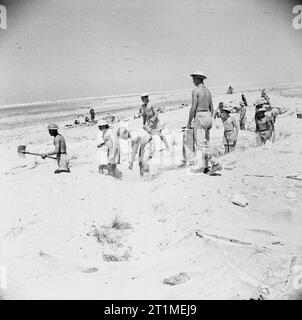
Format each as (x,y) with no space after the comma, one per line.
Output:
(202,113)
(60,149)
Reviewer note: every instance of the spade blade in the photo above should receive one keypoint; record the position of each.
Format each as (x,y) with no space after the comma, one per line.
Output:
(21,150)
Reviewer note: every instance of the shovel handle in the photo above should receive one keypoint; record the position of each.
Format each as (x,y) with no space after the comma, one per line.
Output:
(38,154)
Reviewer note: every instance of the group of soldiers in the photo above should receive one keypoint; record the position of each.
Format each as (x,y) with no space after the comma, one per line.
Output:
(265,118)
(200,121)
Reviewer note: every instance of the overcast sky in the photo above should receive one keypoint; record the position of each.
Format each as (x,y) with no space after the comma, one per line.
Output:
(57,49)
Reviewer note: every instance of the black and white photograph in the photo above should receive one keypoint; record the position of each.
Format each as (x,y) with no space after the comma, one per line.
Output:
(151,150)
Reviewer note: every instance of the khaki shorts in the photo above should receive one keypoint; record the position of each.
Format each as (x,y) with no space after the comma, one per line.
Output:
(202,127)
(63,162)
(262,137)
(229,138)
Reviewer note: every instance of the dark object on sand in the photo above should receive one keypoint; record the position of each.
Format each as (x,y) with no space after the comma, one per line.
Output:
(90,270)
(111,170)
(294,177)
(177,279)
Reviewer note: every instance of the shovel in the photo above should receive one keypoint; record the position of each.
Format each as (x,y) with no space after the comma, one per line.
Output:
(22,151)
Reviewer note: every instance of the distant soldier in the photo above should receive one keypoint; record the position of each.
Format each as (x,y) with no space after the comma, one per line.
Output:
(142,110)
(230,134)
(202,111)
(265,98)
(148,112)
(217,112)
(151,119)
(244,100)
(242,113)
(92,115)
(230,90)
(60,149)
(264,127)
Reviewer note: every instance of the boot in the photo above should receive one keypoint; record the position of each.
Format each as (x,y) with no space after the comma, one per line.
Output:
(201,170)
(215,167)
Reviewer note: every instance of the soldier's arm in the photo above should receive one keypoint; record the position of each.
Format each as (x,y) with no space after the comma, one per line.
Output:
(112,148)
(270,127)
(135,146)
(140,111)
(257,128)
(244,112)
(193,108)
(100,140)
(211,105)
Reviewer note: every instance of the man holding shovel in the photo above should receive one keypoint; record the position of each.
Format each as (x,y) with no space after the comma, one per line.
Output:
(60,149)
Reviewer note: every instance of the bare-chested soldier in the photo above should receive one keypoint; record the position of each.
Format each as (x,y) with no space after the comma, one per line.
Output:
(264,127)
(60,149)
(202,112)
(148,112)
(151,119)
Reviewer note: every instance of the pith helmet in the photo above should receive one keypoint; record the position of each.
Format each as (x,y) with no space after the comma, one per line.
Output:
(262,109)
(258,102)
(52,126)
(144,94)
(275,111)
(102,123)
(227,108)
(198,74)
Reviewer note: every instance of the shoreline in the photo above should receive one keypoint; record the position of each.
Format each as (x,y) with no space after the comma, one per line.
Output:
(247,87)
(13,117)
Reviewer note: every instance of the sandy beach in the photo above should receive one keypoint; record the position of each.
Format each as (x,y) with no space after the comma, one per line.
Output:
(88,236)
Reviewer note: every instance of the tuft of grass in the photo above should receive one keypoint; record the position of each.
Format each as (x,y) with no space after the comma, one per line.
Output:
(104,236)
(111,258)
(118,224)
